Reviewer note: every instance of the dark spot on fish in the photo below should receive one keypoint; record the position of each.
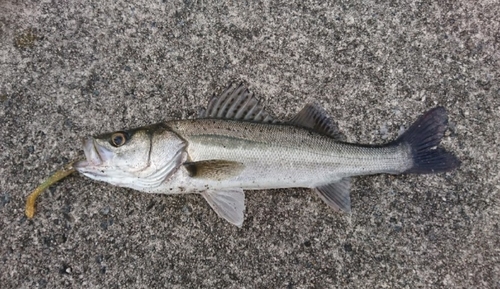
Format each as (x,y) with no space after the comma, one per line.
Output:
(307,243)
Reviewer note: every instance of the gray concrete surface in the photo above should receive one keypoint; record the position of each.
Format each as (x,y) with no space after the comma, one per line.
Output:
(69,69)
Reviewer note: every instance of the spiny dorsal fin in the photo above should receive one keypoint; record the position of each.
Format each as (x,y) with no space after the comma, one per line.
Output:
(229,204)
(214,169)
(315,118)
(236,102)
(336,195)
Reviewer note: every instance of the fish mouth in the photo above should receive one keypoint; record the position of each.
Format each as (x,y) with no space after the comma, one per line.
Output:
(95,155)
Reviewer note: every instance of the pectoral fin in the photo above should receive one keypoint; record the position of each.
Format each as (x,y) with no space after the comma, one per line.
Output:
(227,204)
(336,195)
(214,169)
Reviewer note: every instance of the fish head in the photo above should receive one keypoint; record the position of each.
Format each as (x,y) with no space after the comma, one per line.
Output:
(140,158)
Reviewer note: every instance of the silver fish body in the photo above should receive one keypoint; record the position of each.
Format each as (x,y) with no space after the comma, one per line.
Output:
(235,146)
(280,156)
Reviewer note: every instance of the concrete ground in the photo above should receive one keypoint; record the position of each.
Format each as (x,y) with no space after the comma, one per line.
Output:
(69,69)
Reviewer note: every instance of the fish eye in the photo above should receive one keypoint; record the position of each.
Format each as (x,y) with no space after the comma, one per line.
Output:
(118,139)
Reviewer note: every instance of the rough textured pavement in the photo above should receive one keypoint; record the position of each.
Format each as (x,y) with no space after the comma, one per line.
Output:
(69,69)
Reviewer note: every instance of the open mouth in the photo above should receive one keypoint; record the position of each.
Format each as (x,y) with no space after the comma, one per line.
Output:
(95,155)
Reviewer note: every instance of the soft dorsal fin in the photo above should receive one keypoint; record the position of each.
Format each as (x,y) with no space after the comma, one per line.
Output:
(236,102)
(214,169)
(315,118)
(336,195)
(229,204)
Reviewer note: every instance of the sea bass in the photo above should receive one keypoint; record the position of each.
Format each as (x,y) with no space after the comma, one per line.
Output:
(235,145)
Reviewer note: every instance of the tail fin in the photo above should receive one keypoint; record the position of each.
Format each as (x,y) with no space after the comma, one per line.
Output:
(423,137)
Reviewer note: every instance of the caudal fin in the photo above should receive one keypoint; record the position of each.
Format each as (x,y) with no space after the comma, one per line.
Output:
(423,137)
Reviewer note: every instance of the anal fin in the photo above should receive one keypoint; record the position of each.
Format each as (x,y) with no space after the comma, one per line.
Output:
(214,169)
(229,205)
(336,195)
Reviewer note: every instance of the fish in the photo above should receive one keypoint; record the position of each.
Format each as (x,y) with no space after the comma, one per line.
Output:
(235,145)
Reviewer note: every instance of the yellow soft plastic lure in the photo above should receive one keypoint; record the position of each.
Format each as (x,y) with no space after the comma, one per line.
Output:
(59,175)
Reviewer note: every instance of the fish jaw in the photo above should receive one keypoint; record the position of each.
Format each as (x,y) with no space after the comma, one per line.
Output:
(99,166)
(95,156)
